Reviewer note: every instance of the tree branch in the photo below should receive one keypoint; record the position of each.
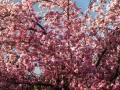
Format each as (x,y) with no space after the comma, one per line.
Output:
(38,83)
(40,27)
(101,56)
(68,9)
(116,74)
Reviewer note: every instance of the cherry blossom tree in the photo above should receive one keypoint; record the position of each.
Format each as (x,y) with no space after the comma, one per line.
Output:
(73,49)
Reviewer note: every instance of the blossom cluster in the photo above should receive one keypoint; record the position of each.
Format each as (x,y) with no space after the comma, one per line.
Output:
(73,49)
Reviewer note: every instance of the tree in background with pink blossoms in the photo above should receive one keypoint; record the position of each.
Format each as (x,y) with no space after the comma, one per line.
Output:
(73,49)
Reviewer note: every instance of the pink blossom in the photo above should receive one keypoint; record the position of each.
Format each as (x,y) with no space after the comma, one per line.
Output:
(74,49)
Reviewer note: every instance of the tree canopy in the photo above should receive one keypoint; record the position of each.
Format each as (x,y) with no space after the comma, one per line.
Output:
(73,49)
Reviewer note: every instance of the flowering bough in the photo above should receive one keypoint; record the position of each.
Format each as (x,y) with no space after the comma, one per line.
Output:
(73,49)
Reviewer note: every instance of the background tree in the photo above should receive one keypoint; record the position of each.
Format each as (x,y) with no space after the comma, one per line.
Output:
(74,50)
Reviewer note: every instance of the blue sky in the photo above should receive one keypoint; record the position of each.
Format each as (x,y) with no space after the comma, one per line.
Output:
(82,3)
